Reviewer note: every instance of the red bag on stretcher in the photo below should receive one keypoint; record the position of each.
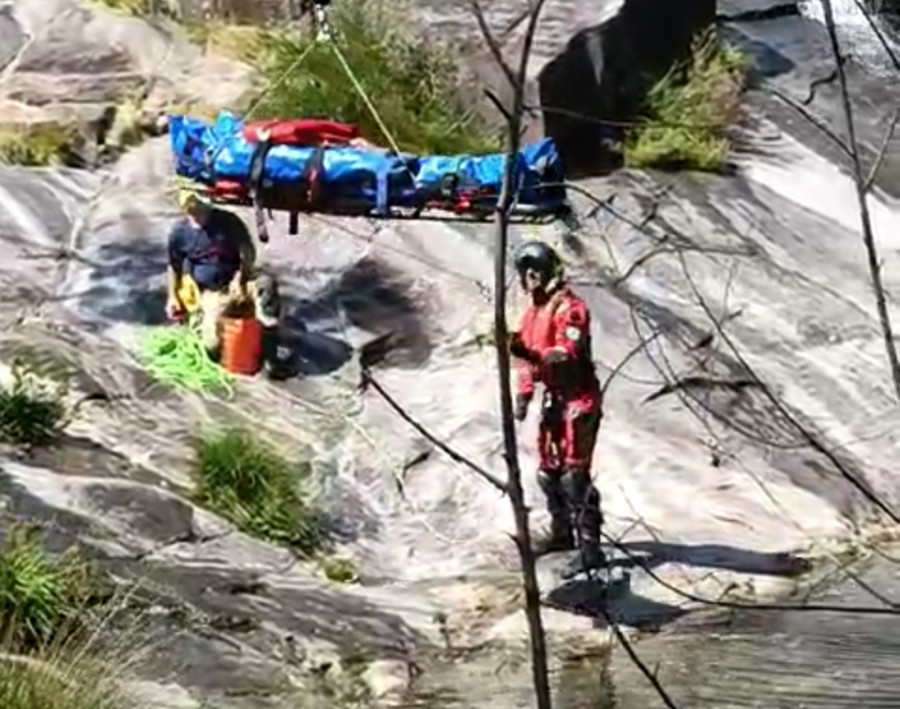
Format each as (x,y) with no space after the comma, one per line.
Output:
(302,132)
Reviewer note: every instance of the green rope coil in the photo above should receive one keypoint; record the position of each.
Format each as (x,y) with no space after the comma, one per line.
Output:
(176,356)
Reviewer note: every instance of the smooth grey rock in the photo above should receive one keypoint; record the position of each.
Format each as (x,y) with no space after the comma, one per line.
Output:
(711,481)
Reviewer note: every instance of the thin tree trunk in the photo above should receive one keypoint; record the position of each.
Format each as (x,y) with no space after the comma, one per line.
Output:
(514,483)
(861,190)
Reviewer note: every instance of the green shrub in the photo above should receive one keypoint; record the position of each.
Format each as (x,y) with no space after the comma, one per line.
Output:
(241,42)
(31,411)
(36,146)
(40,596)
(338,569)
(249,483)
(690,111)
(412,84)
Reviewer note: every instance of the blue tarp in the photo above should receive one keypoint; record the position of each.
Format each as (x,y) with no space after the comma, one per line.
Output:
(373,180)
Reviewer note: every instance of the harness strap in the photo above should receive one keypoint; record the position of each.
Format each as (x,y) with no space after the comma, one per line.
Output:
(257,171)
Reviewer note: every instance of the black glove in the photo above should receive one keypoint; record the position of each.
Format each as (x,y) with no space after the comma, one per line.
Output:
(518,349)
(520,409)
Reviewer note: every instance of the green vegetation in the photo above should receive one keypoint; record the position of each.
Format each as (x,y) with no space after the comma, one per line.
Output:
(690,111)
(343,684)
(45,663)
(236,41)
(138,8)
(248,482)
(40,596)
(412,84)
(338,569)
(36,146)
(34,682)
(31,410)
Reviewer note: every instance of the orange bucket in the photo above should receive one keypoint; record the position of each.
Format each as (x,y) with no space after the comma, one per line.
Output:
(241,345)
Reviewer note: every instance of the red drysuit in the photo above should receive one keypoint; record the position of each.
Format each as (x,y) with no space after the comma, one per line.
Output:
(558,332)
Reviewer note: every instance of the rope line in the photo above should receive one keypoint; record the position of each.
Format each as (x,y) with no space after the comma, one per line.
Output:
(271,86)
(365,97)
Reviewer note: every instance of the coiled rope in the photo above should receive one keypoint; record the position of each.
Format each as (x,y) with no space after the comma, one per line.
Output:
(176,356)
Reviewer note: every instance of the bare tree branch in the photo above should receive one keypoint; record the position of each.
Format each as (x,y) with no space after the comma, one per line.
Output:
(651,676)
(369,380)
(498,104)
(493,44)
(865,220)
(514,480)
(882,151)
(817,122)
(885,43)
(808,435)
(638,348)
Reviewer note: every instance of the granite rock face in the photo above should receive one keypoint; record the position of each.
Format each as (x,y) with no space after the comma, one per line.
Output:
(727,446)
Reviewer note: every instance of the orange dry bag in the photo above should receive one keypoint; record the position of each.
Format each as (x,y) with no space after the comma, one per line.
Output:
(241,345)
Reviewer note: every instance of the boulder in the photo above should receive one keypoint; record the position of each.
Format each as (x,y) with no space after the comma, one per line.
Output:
(84,64)
(590,63)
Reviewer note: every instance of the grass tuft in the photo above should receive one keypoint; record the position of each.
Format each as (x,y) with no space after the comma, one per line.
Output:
(690,111)
(37,145)
(29,682)
(411,83)
(31,410)
(137,8)
(338,569)
(40,595)
(251,484)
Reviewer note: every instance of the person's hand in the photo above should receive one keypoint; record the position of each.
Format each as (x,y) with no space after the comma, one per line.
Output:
(518,349)
(237,289)
(520,407)
(175,310)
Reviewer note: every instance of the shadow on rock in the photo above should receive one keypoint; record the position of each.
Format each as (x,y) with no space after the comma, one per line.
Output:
(371,299)
(593,598)
(712,556)
(300,353)
(766,62)
(128,278)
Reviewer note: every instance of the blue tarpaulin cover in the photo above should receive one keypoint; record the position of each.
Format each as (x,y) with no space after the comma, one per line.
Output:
(370,180)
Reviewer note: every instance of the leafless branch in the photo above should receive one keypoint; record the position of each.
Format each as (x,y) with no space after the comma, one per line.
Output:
(882,151)
(817,122)
(885,43)
(806,434)
(501,236)
(865,220)
(638,348)
(651,676)
(369,380)
(493,45)
(498,104)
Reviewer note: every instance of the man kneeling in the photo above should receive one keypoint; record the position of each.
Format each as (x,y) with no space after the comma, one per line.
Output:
(214,248)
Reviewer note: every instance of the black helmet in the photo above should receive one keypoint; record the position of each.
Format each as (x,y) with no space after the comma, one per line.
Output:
(540,257)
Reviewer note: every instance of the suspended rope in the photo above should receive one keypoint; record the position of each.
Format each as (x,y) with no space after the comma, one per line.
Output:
(364,96)
(280,80)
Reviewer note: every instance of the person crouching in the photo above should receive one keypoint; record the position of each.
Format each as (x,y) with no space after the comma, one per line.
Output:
(214,249)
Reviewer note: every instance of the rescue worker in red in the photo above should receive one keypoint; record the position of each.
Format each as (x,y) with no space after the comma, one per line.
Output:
(553,347)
